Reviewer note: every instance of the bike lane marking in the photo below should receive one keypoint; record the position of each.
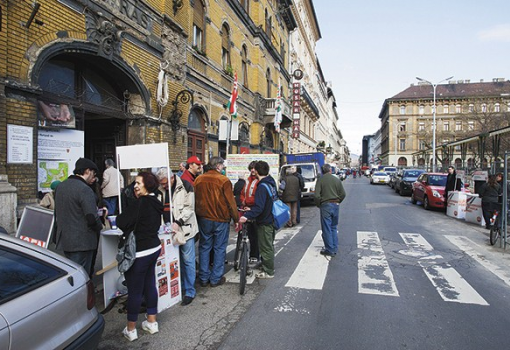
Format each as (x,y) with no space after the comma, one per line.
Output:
(477,253)
(374,273)
(450,285)
(312,268)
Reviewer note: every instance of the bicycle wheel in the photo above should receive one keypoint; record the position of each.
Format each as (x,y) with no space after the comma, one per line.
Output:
(494,235)
(243,268)
(238,251)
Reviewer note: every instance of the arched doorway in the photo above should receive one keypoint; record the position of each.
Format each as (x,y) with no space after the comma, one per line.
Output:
(458,163)
(98,93)
(196,133)
(402,161)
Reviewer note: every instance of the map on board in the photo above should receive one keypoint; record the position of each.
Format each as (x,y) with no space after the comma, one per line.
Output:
(50,171)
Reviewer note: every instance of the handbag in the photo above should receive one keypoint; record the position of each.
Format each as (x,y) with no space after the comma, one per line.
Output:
(126,253)
(280,210)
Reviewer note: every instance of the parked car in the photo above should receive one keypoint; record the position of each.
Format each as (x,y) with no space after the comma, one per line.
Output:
(393,177)
(429,189)
(46,300)
(379,177)
(342,175)
(404,181)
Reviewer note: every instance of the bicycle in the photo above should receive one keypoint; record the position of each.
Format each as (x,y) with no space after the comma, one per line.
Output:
(495,232)
(241,256)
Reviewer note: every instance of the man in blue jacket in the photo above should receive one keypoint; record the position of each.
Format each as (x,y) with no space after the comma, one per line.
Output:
(261,212)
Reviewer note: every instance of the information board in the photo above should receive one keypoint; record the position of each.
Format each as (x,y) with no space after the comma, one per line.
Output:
(237,165)
(20,144)
(35,226)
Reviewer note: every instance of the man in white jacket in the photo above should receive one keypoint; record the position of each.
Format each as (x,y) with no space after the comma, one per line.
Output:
(110,186)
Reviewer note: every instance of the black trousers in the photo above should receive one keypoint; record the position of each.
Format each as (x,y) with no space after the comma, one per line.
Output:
(488,210)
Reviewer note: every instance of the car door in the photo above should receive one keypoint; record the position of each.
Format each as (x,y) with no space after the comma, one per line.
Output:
(419,189)
(5,334)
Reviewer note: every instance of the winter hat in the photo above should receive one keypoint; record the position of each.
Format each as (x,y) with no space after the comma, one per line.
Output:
(54,185)
(84,163)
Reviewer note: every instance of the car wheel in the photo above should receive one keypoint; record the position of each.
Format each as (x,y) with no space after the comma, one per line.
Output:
(426,204)
(413,200)
(400,192)
(396,189)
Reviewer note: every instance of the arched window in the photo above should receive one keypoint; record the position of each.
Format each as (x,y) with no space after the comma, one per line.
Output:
(244,62)
(470,163)
(458,163)
(268,83)
(199,25)
(421,162)
(402,161)
(225,47)
(196,120)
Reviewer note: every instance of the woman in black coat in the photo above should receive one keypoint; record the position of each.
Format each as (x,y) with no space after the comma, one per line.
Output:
(490,193)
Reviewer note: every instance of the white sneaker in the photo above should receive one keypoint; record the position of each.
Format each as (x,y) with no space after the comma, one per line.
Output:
(263,275)
(151,327)
(130,335)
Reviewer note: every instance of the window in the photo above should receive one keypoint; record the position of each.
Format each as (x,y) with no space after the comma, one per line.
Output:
(268,24)
(446,109)
(402,127)
(421,126)
(458,125)
(446,126)
(246,5)
(497,108)
(198,25)
(244,62)
(484,108)
(402,144)
(471,125)
(402,109)
(422,145)
(471,108)
(268,83)
(225,47)
(458,109)
(421,109)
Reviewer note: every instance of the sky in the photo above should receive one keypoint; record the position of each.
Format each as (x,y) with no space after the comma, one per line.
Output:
(371,50)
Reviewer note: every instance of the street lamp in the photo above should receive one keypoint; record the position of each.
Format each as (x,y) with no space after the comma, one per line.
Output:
(433,119)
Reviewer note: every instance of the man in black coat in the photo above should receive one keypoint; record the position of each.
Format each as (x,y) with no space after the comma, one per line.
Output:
(452,184)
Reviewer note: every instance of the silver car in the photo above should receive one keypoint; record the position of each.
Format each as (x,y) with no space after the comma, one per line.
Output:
(46,300)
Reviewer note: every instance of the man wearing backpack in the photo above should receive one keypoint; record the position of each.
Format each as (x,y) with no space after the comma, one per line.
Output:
(261,212)
(329,193)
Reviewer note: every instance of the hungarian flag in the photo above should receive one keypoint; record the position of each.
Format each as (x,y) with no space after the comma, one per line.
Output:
(232,105)
(278,108)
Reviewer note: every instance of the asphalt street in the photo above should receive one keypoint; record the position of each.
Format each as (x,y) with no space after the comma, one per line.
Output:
(405,278)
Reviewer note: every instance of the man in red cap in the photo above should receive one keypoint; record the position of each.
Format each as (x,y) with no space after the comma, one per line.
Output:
(193,169)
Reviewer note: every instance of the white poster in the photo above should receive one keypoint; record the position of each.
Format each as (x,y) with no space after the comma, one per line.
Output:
(57,152)
(168,274)
(20,143)
(237,165)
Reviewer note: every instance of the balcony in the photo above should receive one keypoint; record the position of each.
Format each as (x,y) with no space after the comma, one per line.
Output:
(270,112)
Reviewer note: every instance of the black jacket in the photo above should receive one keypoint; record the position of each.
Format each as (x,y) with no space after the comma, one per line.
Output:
(262,211)
(145,217)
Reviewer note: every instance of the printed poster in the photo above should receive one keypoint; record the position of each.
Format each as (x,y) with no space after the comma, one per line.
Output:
(237,165)
(168,279)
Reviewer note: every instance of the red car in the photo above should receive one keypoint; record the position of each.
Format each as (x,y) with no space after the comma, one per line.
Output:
(429,189)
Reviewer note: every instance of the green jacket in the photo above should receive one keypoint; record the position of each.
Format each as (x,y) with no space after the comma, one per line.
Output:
(329,188)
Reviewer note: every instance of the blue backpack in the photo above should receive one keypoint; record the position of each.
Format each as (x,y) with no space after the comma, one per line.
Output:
(280,210)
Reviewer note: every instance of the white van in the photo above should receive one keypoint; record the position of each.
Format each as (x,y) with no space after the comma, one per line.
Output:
(310,172)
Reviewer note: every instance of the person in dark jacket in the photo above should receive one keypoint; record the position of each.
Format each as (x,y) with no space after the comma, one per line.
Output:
(291,194)
(452,183)
(144,217)
(78,224)
(490,193)
(262,213)
(238,189)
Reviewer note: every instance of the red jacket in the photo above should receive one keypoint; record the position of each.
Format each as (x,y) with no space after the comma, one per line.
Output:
(187,176)
(248,192)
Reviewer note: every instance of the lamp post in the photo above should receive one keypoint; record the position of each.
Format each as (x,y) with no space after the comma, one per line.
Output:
(434,86)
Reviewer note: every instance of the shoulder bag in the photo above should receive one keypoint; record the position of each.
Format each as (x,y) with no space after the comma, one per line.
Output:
(126,253)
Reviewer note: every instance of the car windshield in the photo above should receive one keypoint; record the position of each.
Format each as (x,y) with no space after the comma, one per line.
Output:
(307,171)
(392,170)
(380,174)
(412,173)
(437,180)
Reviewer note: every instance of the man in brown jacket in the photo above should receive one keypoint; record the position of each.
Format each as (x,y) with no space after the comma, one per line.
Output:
(215,206)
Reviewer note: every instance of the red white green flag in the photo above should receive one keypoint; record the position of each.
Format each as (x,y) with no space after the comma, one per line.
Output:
(232,105)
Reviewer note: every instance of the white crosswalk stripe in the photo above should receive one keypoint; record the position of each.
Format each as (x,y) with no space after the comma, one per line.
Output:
(448,282)
(374,273)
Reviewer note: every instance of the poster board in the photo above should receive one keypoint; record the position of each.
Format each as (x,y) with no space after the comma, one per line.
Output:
(35,226)
(167,271)
(237,165)
(20,144)
(57,152)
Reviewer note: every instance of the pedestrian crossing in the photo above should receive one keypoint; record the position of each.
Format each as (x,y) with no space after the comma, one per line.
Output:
(375,273)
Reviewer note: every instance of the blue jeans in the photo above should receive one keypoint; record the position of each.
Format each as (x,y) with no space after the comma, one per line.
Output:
(141,281)
(84,258)
(213,236)
(188,268)
(111,204)
(329,225)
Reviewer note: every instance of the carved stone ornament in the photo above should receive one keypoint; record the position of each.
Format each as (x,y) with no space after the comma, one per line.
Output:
(175,54)
(103,33)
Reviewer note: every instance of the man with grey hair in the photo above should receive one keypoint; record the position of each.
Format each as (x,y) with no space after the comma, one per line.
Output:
(110,186)
(215,206)
(162,176)
(329,193)
(182,168)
